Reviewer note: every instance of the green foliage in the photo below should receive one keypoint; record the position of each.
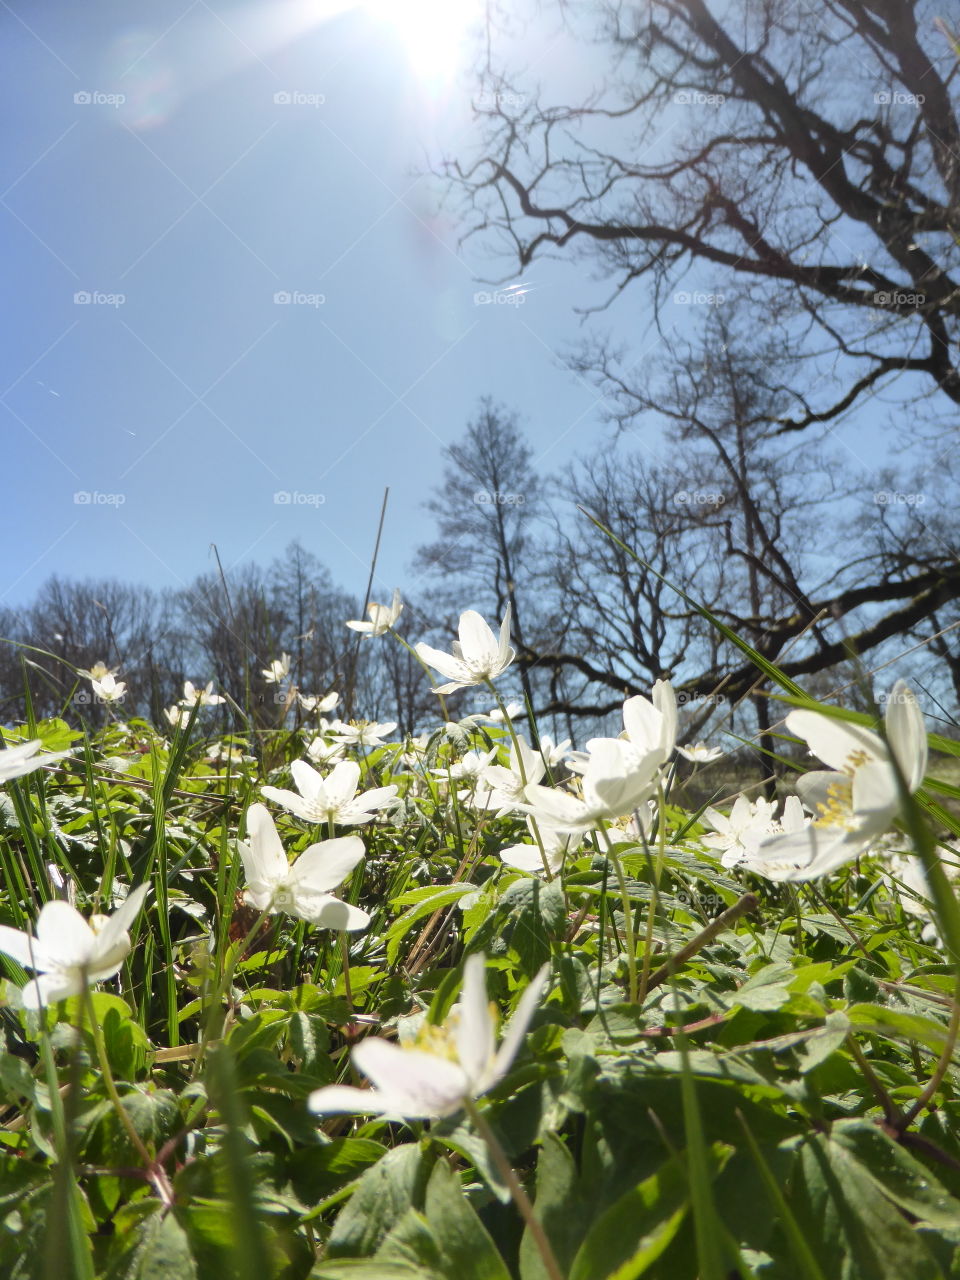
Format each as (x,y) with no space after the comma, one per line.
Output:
(784,1105)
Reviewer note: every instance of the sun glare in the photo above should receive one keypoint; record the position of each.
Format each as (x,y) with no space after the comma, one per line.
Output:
(433,33)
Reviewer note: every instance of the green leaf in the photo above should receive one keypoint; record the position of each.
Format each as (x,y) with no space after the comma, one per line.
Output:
(559,1207)
(853,1231)
(164,1253)
(383,1194)
(467,1251)
(630,1236)
(427,901)
(897,1025)
(766,990)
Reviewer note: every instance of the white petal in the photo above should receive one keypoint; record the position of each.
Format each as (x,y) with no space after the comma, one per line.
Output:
(834,741)
(264,861)
(48,988)
(114,933)
(475,1037)
(65,936)
(505,654)
(340,784)
(22,947)
(907,733)
(477,642)
(418,1084)
(325,865)
(307,781)
(665,700)
(517,1029)
(448,666)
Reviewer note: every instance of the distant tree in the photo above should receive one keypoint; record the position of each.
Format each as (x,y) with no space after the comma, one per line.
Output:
(486,509)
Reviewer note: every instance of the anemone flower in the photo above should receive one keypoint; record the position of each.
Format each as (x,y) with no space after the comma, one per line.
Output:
(206,697)
(303,889)
(108,688)
(277,671)
(69,952)
(382,617)
(616,780)
(476,657)
(17,761)
(445,1067)
(857,799)
(333,798)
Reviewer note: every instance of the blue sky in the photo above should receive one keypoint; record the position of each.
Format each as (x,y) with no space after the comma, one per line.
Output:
(180,196)
(166,177)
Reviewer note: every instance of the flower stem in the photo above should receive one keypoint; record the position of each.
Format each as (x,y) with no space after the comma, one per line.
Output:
(631,937)
(411,649)
(155,1172)
(523,774)
(517,1193)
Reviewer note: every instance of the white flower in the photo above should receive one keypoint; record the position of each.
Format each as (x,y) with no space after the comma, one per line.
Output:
(16,762)
(362,733)
(477,656)
(205,697)
(617,779)
(322,752)
(557,843)
(496,716)
(70,952)
(177,716)
(314,702)
(700,753)
(109,689)
(447,1064)
(277,671)
(554,753)
(330,799)
(469,767)
(382,617)
(98,671)
(303,889)
(652,726)
(858,799)
(738,835)
(505,789)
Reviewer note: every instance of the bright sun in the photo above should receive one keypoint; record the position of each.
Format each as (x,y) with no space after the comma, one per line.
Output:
(433,32)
